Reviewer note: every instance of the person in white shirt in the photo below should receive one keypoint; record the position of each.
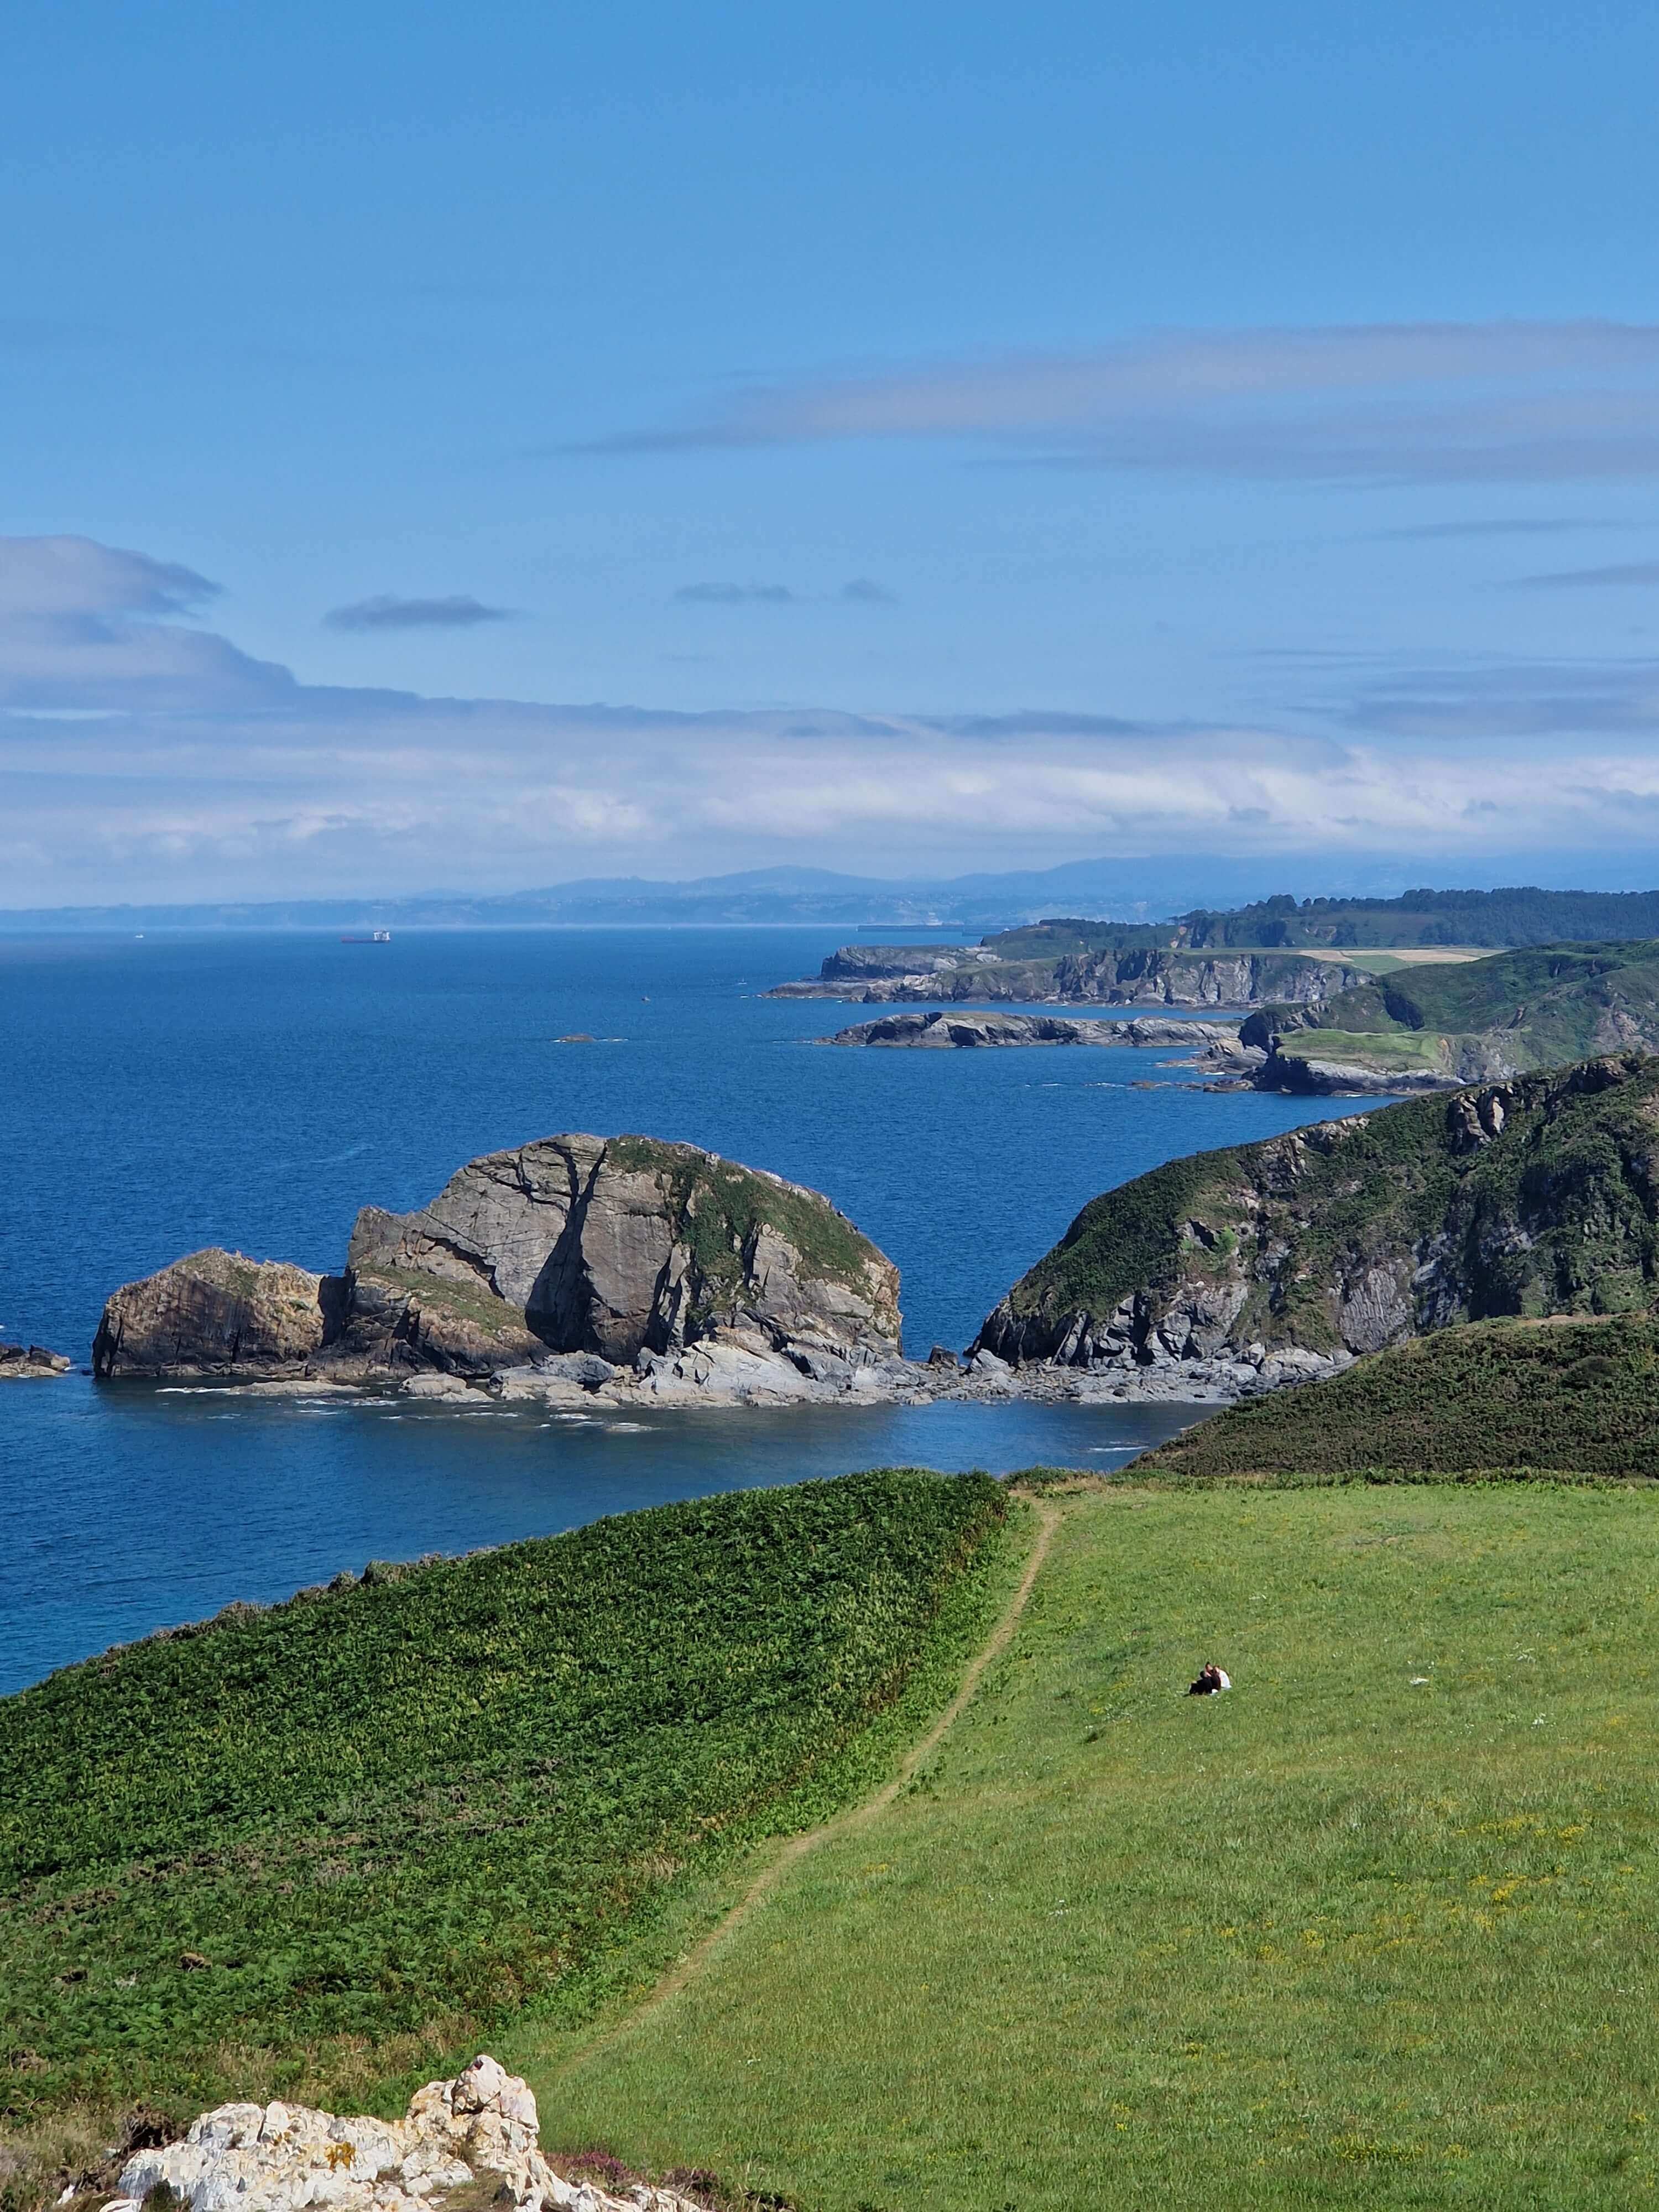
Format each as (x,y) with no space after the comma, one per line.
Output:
(1211,1679)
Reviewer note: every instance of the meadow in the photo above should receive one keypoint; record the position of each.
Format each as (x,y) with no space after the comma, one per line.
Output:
(1376,1929)
(318,1848)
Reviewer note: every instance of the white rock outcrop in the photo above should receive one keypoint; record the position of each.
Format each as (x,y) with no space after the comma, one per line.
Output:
(482,2128)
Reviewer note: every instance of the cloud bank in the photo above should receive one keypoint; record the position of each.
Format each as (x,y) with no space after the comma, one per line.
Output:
(1378,403)
(142,756)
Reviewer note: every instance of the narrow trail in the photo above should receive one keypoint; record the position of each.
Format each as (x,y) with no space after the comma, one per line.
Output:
(801,1846)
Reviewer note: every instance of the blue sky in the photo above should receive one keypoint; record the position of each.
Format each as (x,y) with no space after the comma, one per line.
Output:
(941,438)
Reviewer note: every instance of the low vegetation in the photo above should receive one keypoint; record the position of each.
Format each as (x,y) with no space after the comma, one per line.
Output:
(1538,1007)
(719,1207)
(1577,1396)
(309,1849)
(1547,1205)
(1378,1928)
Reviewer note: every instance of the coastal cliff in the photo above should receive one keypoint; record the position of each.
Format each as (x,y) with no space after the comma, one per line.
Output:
(1048,966)
(577,1256)
(935,1031)
(1477,1021)
(1234,1271)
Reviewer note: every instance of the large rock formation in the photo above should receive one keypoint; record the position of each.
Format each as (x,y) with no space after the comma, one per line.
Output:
(217,1313)
(1234,1271)
(613,1253)
(937,1031)
(479,2134)
(623,1246)
(1136,975)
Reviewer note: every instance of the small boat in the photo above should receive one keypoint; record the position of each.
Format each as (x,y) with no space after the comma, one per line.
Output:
(379,937)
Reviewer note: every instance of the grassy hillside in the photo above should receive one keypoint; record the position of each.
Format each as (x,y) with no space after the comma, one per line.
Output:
(1378,1929)
(1535,1196)
(1536,1008)
(309,1848)
(1521,915)
(1581,1396)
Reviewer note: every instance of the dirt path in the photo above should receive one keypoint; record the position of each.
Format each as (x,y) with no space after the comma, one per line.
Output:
(797,1848)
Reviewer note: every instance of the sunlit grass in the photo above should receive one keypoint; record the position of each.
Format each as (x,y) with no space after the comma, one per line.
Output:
(1378,1929)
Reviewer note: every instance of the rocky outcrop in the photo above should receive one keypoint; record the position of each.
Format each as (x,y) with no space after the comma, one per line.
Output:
(217,1313)
(1186,979)
(869,963)
(625,1247)
(478,2134)
(579,1257)
(940,1031)
(1133,976)
(1236,1271)
(1306,1075)
(30,1363)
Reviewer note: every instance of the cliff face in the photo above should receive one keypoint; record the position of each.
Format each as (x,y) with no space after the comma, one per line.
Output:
(1185,979)
(1139,976)
(1268,1262)
(618,1249)
(217,1313)
(1477,1021)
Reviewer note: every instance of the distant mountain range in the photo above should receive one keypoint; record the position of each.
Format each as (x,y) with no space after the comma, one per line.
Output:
(1116,890)
(1219,897)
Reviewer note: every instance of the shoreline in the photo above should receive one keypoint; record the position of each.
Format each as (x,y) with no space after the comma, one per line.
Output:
(685,1382)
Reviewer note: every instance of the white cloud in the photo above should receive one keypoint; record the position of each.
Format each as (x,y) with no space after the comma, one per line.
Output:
(145,757)
(1426,402)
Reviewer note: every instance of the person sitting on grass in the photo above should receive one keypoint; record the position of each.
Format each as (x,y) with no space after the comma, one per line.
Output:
(1210,1680)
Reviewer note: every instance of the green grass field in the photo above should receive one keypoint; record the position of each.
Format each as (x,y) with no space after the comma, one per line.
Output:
(312,1850)
(1405,1049)
(1379,1929)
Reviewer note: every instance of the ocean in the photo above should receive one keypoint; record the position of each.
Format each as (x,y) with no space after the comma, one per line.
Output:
(161,1093)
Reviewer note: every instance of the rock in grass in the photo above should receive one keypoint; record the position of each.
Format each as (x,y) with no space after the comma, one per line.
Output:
(480,2129)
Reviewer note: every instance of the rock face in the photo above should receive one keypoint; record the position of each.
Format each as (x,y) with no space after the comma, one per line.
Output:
(1307,1075)
(479,2133)
(578,1256)
(1137,976)
(623,1246)
(30,1362)
(217,1313)
(946,1031)
(1236,1271)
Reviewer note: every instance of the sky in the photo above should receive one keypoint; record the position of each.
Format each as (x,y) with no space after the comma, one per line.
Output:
(473,449)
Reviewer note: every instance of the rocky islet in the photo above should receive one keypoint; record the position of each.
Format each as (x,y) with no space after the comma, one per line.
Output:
(572,1266)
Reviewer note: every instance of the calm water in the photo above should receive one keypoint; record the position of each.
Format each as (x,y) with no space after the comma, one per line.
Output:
(162,1094)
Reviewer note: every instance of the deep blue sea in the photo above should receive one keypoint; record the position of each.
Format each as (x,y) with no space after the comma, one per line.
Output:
(162,1093)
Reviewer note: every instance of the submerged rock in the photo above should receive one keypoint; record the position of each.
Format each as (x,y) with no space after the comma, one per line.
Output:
(480,2129)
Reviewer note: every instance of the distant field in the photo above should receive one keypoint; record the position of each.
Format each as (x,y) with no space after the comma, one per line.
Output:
(1401,1049)
(1410,956)
(1379,1929)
